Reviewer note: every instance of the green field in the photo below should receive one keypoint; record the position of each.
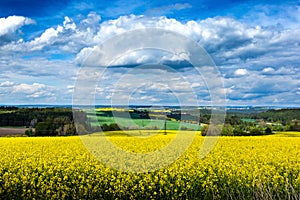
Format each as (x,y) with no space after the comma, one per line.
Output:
(143,123)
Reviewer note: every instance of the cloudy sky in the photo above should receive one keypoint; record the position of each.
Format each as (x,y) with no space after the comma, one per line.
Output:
(254,44)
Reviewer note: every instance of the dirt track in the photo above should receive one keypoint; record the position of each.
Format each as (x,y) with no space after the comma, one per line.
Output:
(12,131)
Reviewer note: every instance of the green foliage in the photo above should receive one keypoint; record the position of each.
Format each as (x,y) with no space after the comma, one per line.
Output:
(27,116)
(233,120)
(256,131)
(268,131)
(295,125)
(205,118)
(239,131)
(47,121)
(227,130)
(204,130)
(29,132)
(60,121)
(69,129)
(45,129)
(285,116)
(110,127)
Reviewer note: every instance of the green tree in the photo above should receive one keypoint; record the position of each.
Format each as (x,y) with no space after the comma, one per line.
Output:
(227,130)
(29,132)
(69,129)
(238,130)
(268,131)
(256,131)
(45,129)
(204,130)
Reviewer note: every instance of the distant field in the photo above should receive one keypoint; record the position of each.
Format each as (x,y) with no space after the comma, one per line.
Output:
(138,133)
(12,131)
(144,123)
(287,134)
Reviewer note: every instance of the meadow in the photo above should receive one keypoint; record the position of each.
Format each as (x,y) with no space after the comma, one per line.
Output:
(265,167)
(148,124)
(155,122)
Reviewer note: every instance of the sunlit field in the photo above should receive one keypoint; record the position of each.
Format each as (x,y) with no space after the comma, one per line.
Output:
(288,134)
(266,167)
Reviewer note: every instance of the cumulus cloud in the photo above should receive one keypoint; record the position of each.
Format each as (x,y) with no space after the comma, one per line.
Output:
(27,93)
(259,89)
(226,39)
(287,15)
(268,70)
(239,47)
(6,84)
(241,72)
(35,90)
(12,23)
(279,71)
(47,38)
(69,24)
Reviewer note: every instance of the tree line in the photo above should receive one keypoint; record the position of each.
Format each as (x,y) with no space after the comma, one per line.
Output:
(262,123)
(44,121)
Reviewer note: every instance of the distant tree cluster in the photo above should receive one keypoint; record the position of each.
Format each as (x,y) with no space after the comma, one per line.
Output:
(295,125)
(236,130)
(56,126)
(60,121)
(257,123)
(8,108)
(44,121)
(283,116)
(24,116)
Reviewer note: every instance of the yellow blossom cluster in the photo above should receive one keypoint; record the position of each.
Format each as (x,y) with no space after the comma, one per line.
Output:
(236,168)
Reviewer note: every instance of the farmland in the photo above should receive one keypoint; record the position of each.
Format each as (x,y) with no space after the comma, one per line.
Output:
(266,167)
(12,131)
(146,119)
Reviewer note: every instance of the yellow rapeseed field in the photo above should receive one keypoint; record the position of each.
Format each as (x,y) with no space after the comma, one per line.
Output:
(237,168)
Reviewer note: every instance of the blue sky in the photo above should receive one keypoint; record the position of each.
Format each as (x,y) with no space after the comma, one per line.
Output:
(255,45)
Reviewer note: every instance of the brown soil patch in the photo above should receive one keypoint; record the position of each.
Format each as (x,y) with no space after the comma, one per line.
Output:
(12,131)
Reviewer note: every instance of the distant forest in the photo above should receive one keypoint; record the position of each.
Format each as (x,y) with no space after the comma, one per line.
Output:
(45,121)
(60,121)
(284,116)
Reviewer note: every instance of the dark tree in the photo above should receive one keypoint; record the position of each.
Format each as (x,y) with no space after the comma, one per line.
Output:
(45,129)
(268,131)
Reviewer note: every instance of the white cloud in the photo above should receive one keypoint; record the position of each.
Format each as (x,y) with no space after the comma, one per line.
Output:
(7,84)
(226,39)
(46,39)
(230,42)
(69,24)
(35,90)
(84,54)
(286,15)
(241,72)
(28,89)
(12,23)
(92,19)
(279,71)
(70,88)
(268,70)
